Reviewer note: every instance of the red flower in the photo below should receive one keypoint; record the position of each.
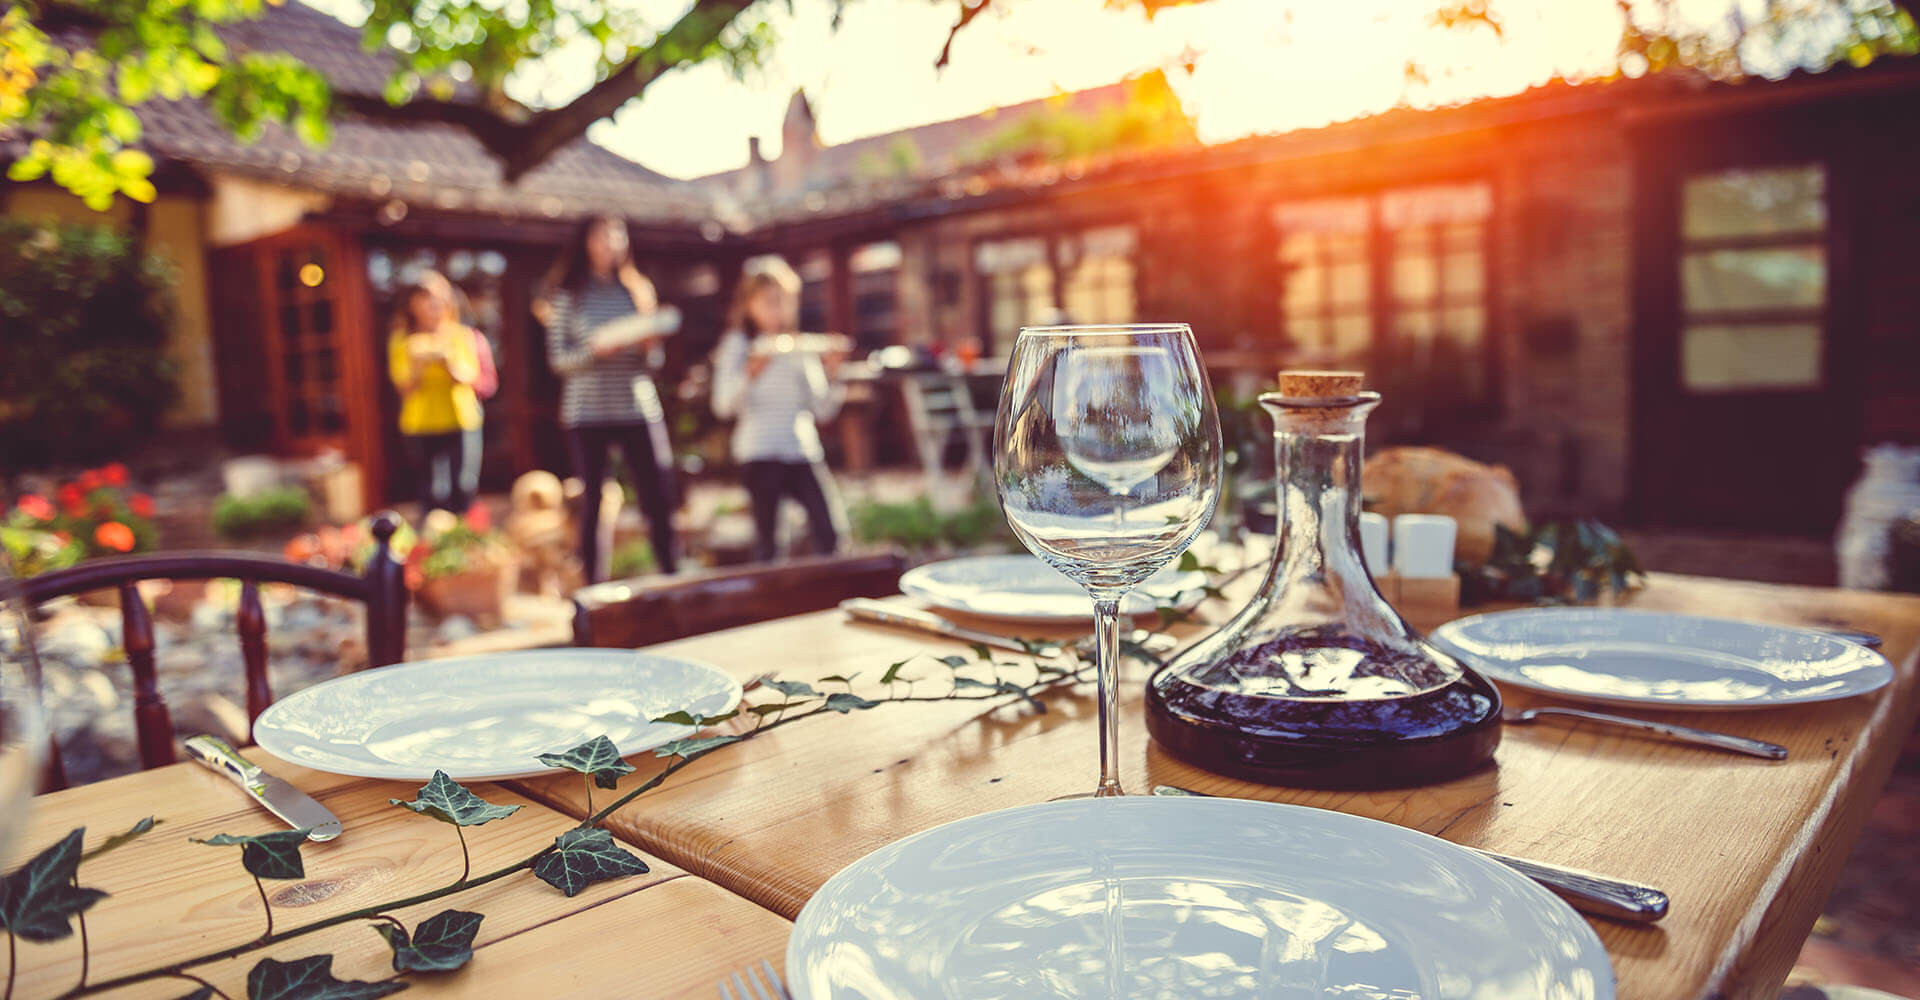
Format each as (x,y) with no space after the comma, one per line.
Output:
(90,480)
(36,506)
(479,518)
(141,504)
(301,548)
(114,473)
(62,537)
(114,535)
(73,500)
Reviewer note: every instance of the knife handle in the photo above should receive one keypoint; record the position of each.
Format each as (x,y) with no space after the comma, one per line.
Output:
(218,754)
(1597,895)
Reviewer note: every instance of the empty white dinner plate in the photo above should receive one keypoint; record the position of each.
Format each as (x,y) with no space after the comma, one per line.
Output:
(1625,657)
(488,716)
(1177,897)
(1022,588)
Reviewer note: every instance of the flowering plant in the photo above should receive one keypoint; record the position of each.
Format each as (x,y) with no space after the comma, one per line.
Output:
(444,546)
(94,514)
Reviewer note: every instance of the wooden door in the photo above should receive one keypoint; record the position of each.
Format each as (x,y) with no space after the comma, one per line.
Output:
(1747,361)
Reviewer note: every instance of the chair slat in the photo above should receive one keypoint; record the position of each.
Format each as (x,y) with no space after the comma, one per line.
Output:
(623,614)
(251,619)
(153,724)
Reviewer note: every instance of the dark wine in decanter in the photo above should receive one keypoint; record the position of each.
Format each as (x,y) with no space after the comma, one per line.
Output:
(1318,682)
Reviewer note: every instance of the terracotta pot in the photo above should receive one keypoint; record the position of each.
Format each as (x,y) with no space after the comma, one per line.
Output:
(478,593)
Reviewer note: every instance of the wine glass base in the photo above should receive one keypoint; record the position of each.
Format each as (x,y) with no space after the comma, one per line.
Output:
(1098,793)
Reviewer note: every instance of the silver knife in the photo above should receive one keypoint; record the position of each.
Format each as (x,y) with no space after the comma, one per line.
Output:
(292,805)
(889,613)
(1599,895)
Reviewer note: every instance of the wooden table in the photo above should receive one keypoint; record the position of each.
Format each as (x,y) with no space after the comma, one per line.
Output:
(172,899)
(1747,849)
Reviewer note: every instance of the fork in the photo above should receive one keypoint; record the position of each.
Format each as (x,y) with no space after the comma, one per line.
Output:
(1685,734)
(747,984)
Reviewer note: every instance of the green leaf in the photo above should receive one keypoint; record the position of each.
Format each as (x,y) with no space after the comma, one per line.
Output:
(981,652)
(203,993)
(893,672)
(792,689)
(598,758)
(685,718)
(1189,563)
(581,857)
(270,855)
(450,802)
(1168,614)
(844,703)
(38,901)
(838,679)
(121,839)
(764,710)
(441,943)
(956,662)
(1009,687)
(310,978)
(969,683)
(691,747)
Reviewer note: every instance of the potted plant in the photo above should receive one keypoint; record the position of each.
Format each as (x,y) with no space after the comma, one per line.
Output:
(461,566)
(93,514)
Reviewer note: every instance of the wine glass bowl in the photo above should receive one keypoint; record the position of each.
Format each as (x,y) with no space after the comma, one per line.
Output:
(1107,464)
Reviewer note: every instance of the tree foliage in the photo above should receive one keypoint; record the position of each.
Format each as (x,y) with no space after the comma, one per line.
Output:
(74,74)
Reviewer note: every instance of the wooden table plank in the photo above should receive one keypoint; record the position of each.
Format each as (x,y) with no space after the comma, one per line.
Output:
(1748,849)
(171,899)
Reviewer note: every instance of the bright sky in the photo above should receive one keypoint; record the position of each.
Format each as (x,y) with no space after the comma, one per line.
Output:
(1264,66)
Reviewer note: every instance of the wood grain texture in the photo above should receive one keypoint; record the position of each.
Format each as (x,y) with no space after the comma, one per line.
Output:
(172,899)
(1748,849)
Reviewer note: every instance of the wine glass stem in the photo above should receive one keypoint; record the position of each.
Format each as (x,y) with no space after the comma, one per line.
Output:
(1106,633)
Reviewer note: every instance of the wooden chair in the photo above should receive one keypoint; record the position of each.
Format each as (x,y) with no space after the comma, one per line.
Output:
(939,405)
(624,614)
(381,588)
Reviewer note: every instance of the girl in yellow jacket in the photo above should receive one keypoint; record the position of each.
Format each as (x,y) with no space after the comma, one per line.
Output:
(434,366)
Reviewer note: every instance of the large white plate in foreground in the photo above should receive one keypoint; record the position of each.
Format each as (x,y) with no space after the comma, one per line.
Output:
(1151,897)
(1625,657)
(1022,588)
(488,716)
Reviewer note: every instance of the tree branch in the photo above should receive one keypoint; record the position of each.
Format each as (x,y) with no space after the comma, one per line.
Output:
(969,9)
(679,45)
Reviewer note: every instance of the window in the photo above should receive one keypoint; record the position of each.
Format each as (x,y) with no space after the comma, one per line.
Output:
(1395,277)
(1753,279)
(816,270)
(1099,284)
(1018,278)
(876,276)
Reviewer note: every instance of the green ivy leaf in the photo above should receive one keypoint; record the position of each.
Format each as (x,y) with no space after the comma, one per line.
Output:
(838,679)
(441,943)
(39,901)
(981,652)
(1009,687)
(581,857)
(792,689)
(122,839)
(450,802)
(597,758)
(1189,563)
(893,672)
(969,683)
(310,978)
(844,703)
(769,709)
(686,718)
(203,993)
(690,747)
(956,661)
(269,855)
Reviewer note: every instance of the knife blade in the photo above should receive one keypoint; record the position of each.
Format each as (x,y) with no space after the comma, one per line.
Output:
(1590,893)
(295,807)
(886,613)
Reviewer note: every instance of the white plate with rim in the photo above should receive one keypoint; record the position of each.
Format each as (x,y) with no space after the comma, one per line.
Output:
(1196,897)
(1022,588)
(1619,656)
(489,716)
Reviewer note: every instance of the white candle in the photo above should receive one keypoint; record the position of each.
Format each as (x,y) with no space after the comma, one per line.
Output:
(1423,545)
(1373,542)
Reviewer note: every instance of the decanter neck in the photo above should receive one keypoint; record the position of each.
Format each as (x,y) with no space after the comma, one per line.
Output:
(1318,448)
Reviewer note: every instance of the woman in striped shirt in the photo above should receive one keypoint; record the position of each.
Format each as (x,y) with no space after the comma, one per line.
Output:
(776,388)
(609,398)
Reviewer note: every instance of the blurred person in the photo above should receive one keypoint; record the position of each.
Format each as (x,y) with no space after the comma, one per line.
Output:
(776,384)
(485,385)
(604,326)
(430,357)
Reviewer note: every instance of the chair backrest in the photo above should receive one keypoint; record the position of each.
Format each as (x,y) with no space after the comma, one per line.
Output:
(381,588)
(625,614)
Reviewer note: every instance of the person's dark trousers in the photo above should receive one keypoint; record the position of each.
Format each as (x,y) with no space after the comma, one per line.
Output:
(437,460)
(649,460)
(767,483)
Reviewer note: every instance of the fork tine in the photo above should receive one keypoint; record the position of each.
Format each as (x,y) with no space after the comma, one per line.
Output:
(753,979)
(725,993)
(779,985)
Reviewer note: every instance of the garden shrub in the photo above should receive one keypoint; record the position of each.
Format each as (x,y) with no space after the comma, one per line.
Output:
(274,512)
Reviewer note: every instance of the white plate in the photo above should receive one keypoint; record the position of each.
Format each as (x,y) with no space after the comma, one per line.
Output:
(1022,588)
(478,717)
(1622,657)
(1196,898)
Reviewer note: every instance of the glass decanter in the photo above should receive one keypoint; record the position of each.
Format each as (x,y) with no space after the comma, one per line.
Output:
(1318,682)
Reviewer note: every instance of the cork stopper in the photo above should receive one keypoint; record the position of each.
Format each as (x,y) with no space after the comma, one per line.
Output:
(1296,384)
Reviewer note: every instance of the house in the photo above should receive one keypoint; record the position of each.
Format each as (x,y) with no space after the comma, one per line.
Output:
(1662,300)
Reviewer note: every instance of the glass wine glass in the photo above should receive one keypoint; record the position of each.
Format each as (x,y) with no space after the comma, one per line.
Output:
(1107,462)
(23,741)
